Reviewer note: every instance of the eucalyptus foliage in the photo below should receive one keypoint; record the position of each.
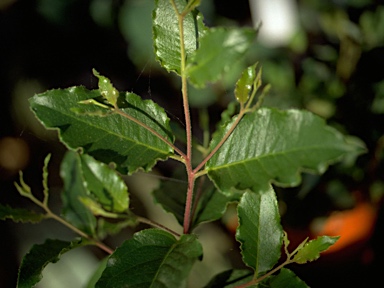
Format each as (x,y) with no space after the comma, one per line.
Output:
(110,133)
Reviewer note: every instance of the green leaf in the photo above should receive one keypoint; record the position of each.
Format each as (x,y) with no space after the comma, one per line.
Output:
(106,89)
(103,182)
(259,230)
(192,4)
(245,83)
(211,206)
(166,36)
(171,195)
(96,276)
(312,249)
(105,228)
(112,137)
(41,255)
(272,145)
(230,279)
(219,49)
(74,189)
(45,179)
(285,279)
(20,215)
(152,258)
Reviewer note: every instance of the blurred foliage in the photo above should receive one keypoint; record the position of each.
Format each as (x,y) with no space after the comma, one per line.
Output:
(333,66)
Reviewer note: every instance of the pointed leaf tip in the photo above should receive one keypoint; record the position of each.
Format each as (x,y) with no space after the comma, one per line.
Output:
(245,83)
(106,88)
(312,249)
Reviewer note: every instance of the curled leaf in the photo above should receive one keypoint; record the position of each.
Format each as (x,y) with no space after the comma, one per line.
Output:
(106,88)
(245,83)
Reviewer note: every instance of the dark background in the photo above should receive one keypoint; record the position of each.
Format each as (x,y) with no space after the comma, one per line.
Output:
(51,44)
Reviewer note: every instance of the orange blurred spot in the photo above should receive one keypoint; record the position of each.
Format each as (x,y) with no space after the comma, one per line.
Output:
(353,226)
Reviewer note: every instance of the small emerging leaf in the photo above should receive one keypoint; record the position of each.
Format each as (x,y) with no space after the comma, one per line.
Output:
(41,255)
(45,179)
(245,83)
(152,258)
(20,215)
(106,89)
(312,249)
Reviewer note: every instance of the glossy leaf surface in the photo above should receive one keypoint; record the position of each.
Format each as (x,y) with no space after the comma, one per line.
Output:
(218,50)
(40,255)
(259,230)
(152,258)
(103,182)
(19,215)
(166,35)
(272,145)
(108,137)
(245,83)
(312,249)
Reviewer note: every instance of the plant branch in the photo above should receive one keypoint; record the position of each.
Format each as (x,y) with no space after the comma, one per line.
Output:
(157,225)
(161,137)
(99,244)
(25,191)
(217,147)
(188,126)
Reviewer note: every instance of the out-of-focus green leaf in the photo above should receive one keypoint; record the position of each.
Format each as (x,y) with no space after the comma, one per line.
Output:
(152,258)
(171,195)
(166,34)
(96,276)
(108,137)
(41,255)
(219,49)
(74,189)
(105,228)
(135,23)
(272,145)
(211,204)
(19,215)
(259,231)
(230,279)
(312,249)
(109,189)
(245,83)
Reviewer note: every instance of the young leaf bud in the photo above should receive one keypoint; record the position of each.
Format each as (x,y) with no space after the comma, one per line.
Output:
(245,83)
